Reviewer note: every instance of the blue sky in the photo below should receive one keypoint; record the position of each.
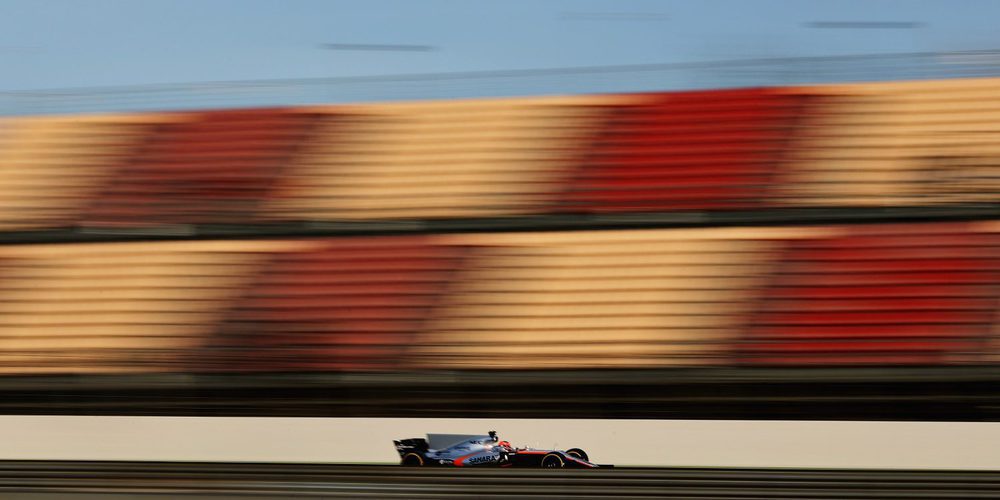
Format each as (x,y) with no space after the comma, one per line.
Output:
(83,43)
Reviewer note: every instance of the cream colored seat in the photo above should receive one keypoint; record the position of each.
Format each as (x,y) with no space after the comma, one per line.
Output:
(132,307)
(599,299)
(52,167)
(471,158)
(897,143)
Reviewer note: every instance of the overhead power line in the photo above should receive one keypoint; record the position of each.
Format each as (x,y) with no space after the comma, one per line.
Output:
(379,47)
(877,25)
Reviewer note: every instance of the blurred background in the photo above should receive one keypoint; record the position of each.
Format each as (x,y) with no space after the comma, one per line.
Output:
(748,210)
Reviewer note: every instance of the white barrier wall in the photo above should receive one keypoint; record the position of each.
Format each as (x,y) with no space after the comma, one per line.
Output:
(932,445)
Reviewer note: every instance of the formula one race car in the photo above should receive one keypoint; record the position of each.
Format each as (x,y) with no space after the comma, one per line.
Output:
(460,450)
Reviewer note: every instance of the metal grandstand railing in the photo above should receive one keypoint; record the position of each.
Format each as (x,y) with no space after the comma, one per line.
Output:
(595,79)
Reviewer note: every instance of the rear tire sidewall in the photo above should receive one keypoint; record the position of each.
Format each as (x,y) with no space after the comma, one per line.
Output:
(412,460)
(552,461)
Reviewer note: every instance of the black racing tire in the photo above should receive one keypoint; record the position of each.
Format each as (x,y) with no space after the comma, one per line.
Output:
(578,453)
(412,460)
(553,461)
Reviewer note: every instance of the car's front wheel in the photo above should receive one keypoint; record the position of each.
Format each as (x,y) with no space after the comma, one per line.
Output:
(578,453)
(552,461)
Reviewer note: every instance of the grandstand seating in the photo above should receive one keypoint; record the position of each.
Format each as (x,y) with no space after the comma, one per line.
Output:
(897,143)
(201,168)
(334,304)
(863,145)
(585,299)
(862,294)
(52,168)
(914,293)
(115,307)
(687,150)
(440,159)
(884,294)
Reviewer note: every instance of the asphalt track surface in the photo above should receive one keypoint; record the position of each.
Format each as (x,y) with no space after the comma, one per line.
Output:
(159,480)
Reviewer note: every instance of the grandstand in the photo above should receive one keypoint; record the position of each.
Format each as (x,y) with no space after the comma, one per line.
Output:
(710,253)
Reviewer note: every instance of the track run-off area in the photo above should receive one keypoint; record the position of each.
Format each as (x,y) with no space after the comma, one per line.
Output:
(623,442)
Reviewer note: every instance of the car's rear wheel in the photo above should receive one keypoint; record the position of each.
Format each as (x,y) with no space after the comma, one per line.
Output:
(552,461)
(412,460)
(578,453)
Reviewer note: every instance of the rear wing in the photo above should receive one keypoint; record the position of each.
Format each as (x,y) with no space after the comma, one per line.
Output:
(415,445)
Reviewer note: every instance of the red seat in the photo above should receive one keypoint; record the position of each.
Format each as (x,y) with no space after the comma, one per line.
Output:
(208,167)
(351,304)
(912,294)
(686,150)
